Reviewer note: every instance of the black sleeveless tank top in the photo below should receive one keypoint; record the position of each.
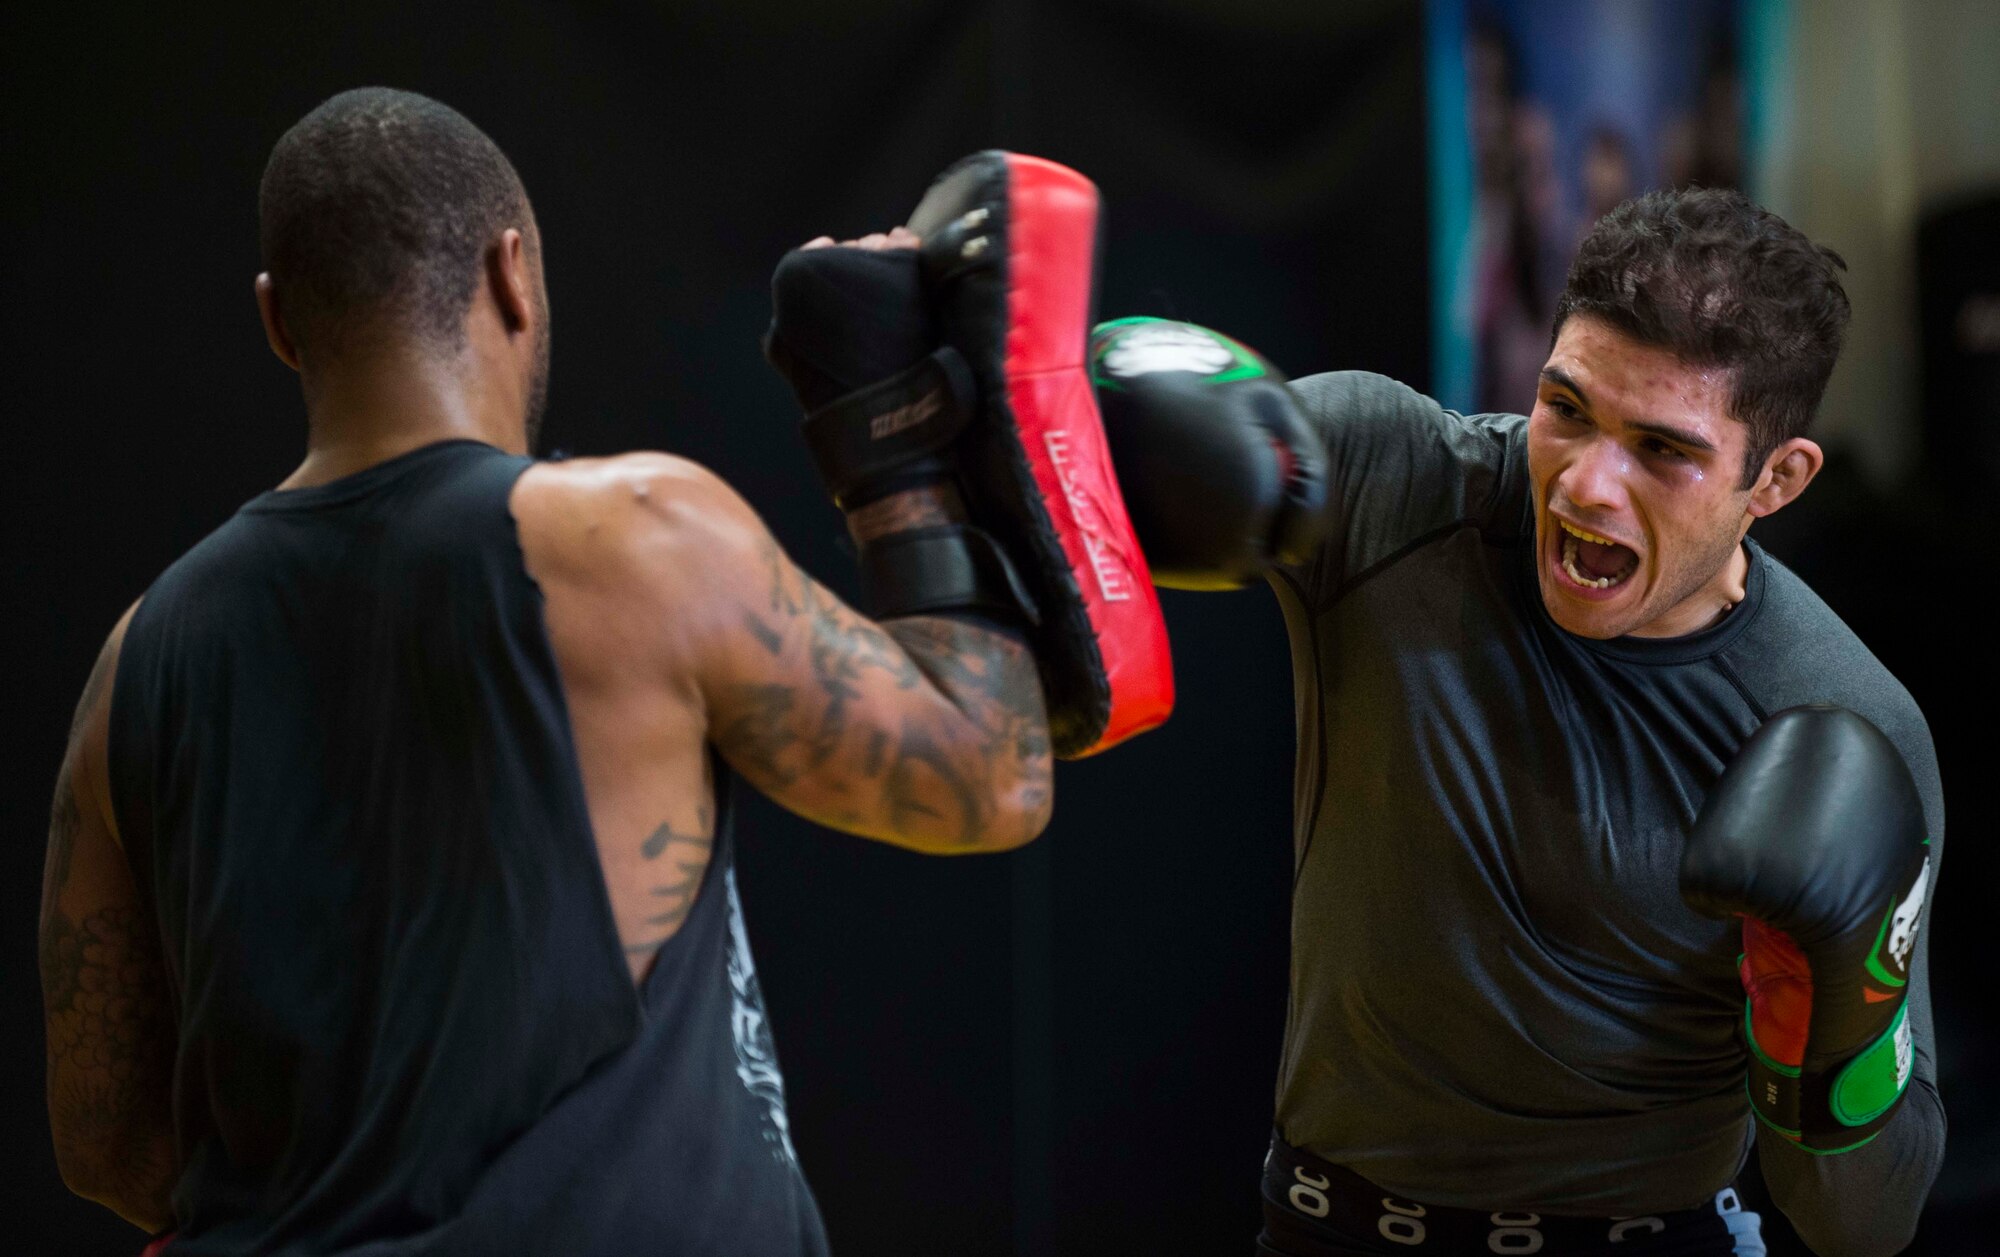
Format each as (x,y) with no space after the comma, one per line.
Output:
(342,766)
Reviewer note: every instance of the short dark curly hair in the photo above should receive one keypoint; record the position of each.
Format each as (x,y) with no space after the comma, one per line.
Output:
(1720,282)
(374,212)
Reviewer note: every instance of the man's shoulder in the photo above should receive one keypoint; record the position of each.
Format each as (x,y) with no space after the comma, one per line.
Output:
(1366,396)
(615,480)
(1402,467)
(632,523)
(607,504)
(210,567)
(1798,650)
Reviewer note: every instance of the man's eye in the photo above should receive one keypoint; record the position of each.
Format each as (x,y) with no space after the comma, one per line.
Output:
(1655,445)
(1564,410)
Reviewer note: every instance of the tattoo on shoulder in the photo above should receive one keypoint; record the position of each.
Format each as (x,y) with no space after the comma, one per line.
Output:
(767,637)
(781,577)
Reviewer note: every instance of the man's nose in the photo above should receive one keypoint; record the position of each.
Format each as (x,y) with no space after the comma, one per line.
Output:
(1597,478)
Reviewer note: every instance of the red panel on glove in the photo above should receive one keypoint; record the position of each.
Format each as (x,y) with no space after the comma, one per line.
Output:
(1779,983)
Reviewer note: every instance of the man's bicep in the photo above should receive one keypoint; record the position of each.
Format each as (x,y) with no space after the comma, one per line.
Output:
(85,872)
(804,695)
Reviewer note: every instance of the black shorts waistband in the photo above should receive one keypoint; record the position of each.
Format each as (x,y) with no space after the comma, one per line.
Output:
(1313,1208)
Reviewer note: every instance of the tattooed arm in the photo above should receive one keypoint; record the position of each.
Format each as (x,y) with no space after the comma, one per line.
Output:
(928,732)
(104,988)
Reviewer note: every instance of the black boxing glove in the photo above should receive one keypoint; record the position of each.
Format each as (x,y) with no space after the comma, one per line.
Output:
(853,334)
(1815,836)
(1222,474)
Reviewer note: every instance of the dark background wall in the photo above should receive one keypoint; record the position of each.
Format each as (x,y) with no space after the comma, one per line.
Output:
(1066,1050)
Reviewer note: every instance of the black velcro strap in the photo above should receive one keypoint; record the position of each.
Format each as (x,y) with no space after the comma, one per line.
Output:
(947,567)
(868,435)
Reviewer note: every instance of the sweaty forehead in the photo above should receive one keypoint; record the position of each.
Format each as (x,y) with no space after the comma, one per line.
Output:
(1624,379)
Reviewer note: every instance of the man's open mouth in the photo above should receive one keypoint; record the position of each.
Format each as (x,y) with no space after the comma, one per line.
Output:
(1592,561)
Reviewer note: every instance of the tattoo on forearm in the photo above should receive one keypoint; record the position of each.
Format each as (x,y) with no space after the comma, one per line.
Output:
(945,768)
(994,686)
(107,1017)
(110,1058)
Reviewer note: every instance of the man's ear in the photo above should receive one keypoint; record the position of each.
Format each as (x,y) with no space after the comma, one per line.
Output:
(508,275)
(1787,472)
(274,322)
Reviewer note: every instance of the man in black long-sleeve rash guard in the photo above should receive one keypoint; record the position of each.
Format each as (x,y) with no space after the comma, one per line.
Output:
(1523,658)
(1525,650)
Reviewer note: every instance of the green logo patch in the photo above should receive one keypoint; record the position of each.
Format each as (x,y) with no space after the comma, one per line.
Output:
(1874,1079)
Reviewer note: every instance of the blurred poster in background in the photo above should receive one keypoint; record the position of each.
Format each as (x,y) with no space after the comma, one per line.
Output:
(1544,114)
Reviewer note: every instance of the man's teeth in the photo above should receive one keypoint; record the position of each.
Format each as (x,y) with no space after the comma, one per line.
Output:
(1569,566)
(1574,531)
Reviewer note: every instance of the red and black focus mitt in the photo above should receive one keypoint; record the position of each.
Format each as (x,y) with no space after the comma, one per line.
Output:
(965,360)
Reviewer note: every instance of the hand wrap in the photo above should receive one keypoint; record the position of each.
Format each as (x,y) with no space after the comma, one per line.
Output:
(851,332)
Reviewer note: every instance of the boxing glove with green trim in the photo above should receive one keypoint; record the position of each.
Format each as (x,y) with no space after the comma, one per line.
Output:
(1222,473)
(1815,836)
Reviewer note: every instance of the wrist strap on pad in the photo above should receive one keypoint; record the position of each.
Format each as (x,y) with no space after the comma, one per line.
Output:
(945,567)
(867,443)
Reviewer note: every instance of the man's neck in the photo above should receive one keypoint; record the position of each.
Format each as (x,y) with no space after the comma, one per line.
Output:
(367,413)
(1707,605)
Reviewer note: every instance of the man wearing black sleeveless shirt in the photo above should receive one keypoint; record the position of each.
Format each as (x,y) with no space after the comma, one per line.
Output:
(390,903)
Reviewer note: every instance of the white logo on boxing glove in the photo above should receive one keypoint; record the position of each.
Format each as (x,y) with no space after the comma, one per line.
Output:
(1161,347)
(1903,925)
